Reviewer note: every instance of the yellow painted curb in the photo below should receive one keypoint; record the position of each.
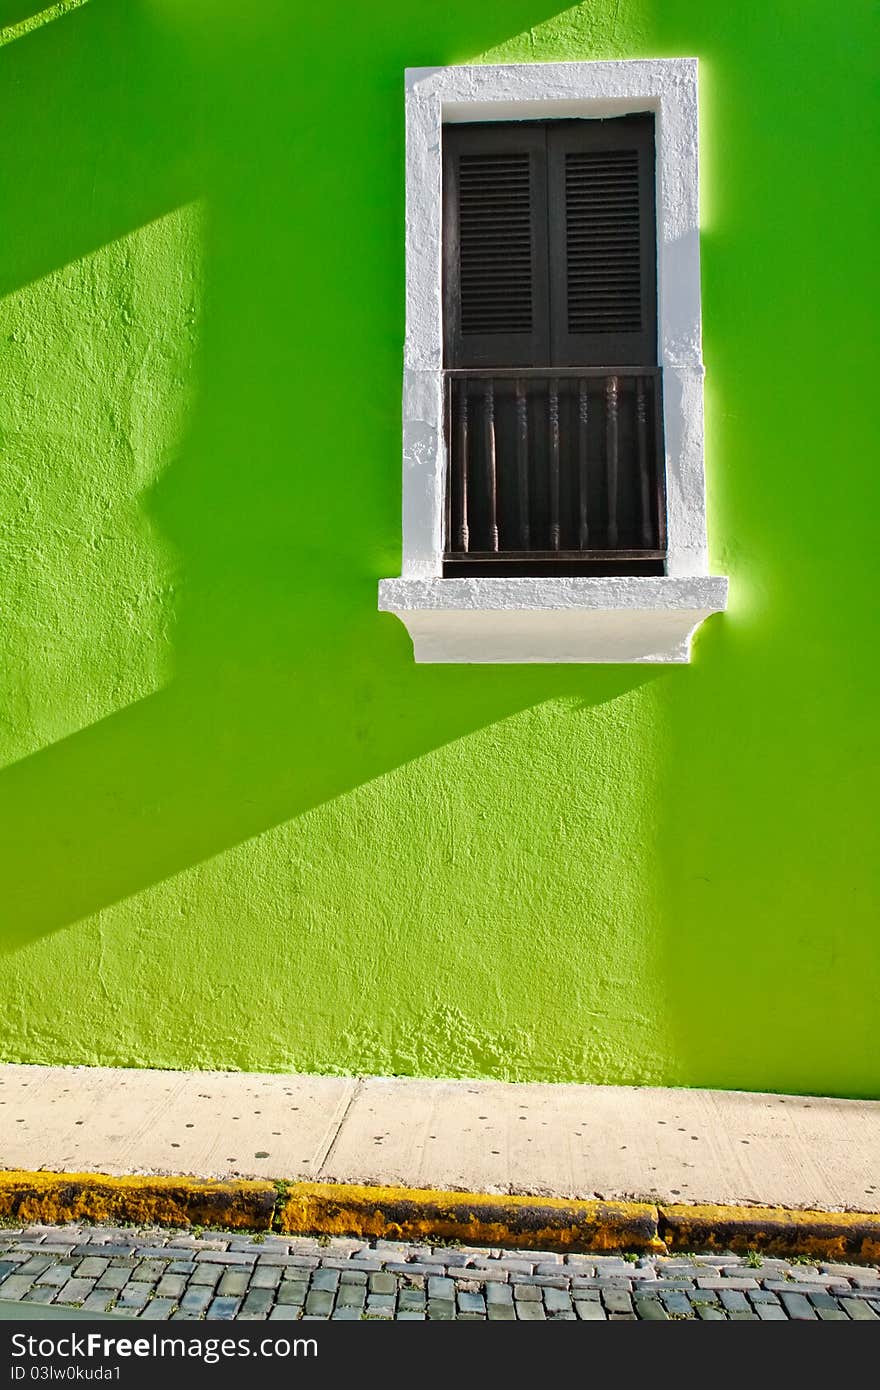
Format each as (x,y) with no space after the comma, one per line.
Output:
(400,1213)
(827,1235)
(54,1198)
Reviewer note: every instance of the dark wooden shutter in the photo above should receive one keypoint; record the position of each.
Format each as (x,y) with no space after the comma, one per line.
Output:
(495,245)
(550,243)
(602,242)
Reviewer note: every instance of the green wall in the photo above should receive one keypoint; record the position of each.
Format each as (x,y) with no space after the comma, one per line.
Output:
(239,827)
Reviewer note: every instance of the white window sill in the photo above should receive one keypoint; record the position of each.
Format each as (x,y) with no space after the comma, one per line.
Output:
(553,620)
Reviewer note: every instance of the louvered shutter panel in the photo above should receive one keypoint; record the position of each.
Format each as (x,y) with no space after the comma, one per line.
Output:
(603,284)
(495,245)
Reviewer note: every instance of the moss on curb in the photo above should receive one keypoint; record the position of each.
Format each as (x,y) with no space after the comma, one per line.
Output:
(54,1198)
(398,1213)
(853,1236)
(475,1218)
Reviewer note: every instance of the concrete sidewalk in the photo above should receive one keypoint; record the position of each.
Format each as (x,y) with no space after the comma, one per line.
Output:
(724,1147)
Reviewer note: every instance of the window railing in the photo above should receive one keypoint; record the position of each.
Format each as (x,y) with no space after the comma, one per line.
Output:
(554,470)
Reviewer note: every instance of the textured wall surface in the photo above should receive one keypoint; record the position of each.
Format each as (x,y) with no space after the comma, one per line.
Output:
(239,827)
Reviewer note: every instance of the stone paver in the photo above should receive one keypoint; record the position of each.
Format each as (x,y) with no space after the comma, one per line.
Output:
(158,1309)
(590,1312)
(531,1312)
(651,1310)
(43,1293)
(75,1291)
(132,1296)
(195,1301)
(234,1283)
(858,1311)
(223,1309)
(225,1276)
(15,1286)
(292,1293)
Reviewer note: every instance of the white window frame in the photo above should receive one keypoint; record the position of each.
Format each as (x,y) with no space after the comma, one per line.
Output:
(580,619)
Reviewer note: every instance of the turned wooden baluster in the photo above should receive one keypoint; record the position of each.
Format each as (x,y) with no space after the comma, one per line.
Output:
(611,443)
(462,538)
(644,478)
(522,462)
(554,464)
(489,404)
(583,425)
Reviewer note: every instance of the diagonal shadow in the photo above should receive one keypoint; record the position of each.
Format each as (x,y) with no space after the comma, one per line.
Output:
(283,506)
(15,12)
(208,763)
(105,134)
(119,107)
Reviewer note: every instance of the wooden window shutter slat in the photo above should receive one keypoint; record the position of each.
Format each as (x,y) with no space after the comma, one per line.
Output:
(602,242)
(495,245)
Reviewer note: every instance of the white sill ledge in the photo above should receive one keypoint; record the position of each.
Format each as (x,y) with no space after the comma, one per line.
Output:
(553,620)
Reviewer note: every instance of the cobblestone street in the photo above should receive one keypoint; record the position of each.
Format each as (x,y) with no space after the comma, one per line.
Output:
(157,1275)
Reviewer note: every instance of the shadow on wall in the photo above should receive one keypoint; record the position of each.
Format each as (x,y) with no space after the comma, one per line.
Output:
(17,12)
(283,507)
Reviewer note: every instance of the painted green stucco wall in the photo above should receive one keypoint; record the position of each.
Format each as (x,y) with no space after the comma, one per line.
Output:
(238,826)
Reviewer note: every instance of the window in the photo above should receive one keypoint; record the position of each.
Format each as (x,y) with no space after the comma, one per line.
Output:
(553,491)
(553,427)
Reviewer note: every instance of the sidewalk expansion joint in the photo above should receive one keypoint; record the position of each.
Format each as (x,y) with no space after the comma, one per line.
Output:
(331,1147)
